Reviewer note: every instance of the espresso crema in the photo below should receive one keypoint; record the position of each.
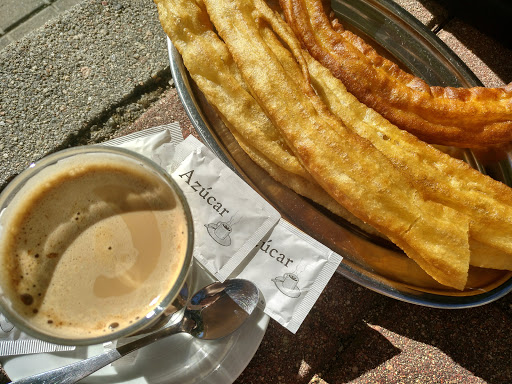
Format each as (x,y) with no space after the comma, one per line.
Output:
(91,246)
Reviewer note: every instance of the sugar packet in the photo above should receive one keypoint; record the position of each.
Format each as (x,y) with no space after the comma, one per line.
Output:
(166,146)
(230,218)
(291,269)
(156,143)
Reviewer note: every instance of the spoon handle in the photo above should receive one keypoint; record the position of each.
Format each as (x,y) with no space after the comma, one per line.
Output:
(76,371)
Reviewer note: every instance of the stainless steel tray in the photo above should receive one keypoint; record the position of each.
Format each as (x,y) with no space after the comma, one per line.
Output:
(367,260)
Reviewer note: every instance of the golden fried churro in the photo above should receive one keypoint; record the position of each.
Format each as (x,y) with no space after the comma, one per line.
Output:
(203,60)
(463,117)
(211,66)
(440,177)
(346,165)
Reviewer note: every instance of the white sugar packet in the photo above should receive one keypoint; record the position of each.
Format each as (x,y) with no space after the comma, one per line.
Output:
(230,218)
(223,198)
(157,143)
(291,269)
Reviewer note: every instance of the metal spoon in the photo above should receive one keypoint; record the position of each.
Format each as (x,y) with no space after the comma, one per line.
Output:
(214,312)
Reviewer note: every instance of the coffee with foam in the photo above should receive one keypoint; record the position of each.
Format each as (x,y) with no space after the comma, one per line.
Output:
(91,245)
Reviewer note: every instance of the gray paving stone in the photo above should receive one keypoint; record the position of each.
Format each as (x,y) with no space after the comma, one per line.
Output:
(58,83)
(13,11)
(35,22)
(5,41)
(64,5)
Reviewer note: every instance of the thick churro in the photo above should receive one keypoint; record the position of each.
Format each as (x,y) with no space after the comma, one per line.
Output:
(463,117)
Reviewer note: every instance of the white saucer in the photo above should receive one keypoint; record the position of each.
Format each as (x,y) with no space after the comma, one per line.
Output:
(178,359)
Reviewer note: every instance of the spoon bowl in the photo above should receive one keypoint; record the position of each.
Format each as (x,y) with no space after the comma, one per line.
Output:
(220,308)
(214,312)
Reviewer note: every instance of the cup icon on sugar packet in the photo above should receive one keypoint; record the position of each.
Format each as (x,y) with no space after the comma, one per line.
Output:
(220,232)
(288,284)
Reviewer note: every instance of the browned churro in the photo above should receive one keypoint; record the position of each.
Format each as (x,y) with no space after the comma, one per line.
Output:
(463,117)
(211,66)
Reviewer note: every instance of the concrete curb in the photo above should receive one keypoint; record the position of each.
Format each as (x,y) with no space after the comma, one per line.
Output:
(59,87)
(20,17)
